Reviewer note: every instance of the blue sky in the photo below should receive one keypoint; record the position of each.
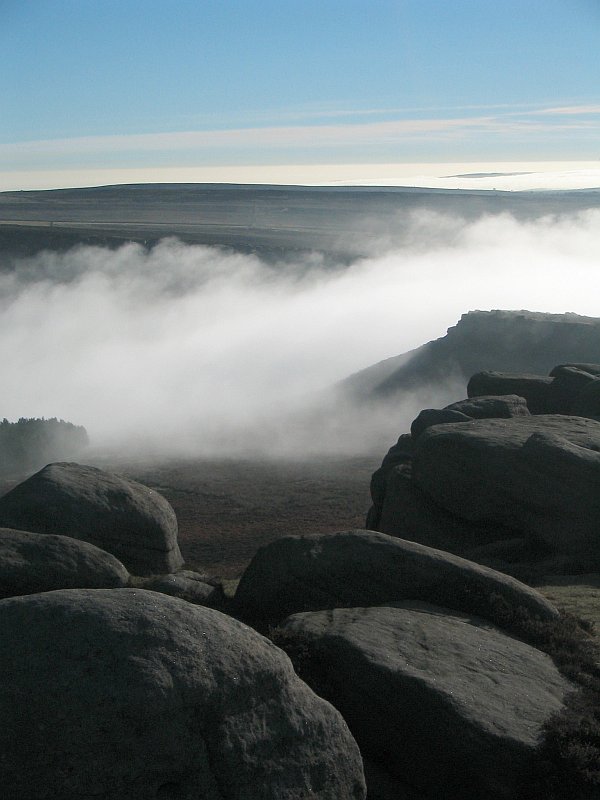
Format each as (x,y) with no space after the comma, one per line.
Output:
(144,86)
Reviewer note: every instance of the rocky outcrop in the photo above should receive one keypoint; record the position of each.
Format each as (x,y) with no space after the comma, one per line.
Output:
(500,485)
(133,694)
(33,562)
(125,518)
(504,341)
(567,390)
(535,389)
(364,568)
(536,475)
(445,702)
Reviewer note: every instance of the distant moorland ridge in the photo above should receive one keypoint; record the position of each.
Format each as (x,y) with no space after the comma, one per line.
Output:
(271,220)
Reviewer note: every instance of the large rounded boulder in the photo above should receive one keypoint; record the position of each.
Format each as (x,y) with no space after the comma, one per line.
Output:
(322,571)
(447,703)
(36,562)
(129,520)
(127,693)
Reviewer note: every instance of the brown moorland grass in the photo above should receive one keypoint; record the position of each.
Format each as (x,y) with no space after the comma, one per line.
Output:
(228,508)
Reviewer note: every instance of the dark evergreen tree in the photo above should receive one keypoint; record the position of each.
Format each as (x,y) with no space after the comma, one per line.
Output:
(29,444)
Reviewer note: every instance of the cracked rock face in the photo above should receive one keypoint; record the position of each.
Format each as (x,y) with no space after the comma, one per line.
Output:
(121,516)
(447,703)
(126,693)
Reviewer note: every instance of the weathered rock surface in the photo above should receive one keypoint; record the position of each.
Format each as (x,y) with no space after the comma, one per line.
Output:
(538,475)
(33,562)
(125,693)
(129,520)
(305,573)
(446,702)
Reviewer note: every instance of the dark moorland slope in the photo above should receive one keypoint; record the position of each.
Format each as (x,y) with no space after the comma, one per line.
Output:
(503,341)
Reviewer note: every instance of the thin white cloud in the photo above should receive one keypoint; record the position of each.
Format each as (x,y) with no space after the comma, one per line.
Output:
(570,110)
(267,136)
(285,137)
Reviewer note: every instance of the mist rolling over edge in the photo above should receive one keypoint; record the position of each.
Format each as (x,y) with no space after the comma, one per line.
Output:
(193,349)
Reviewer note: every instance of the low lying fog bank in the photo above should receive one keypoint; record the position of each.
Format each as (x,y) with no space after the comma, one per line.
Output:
(192,350)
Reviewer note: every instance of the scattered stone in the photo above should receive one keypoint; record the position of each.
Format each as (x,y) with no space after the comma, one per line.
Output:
(121,516)
(133,694)
(34,562)
(350,568)
(447,703)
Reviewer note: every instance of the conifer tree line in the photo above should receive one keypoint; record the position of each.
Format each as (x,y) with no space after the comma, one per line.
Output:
(30,443)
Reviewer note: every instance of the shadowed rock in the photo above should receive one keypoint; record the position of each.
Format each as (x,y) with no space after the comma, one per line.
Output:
(323,571)
(129,520)
(33,562)
(407,511)
(398,454)
(448,703)
(536,389)
(568,382)
(539,475)
(132,694)
(587,402)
